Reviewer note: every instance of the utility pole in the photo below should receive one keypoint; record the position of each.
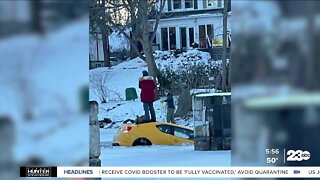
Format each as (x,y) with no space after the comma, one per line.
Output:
(94,140)
(224,48)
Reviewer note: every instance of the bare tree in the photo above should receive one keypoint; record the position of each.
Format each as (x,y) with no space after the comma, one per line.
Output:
(138,13)
(99,81)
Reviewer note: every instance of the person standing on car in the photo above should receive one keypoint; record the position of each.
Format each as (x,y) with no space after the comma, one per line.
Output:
(148,87)
(170,106)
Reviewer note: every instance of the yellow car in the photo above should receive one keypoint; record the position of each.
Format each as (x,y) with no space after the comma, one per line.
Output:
(152,133)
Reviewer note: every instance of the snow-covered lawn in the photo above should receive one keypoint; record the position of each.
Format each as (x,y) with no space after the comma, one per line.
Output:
(126,75)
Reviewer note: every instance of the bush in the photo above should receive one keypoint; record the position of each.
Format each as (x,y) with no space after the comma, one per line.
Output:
(191,76)
(191,69)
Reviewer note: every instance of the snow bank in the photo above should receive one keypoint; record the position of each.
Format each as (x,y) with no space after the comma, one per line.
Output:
(167,59)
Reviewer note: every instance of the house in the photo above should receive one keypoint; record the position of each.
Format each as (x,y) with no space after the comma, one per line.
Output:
(190,23)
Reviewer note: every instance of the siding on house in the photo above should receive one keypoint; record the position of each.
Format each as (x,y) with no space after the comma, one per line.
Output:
(181,24)
(190,27)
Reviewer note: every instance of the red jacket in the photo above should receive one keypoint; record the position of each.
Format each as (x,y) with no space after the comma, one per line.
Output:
(147,86)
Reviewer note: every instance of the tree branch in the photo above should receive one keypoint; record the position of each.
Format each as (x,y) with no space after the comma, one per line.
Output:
(158,16)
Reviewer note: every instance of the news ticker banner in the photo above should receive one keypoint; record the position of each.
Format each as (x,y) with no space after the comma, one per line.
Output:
(171,172)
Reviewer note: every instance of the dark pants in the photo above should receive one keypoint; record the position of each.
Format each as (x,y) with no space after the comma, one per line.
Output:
(170,115)
(148,107)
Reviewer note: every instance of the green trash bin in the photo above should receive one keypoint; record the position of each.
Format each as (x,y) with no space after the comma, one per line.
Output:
(84,96)
(131,94)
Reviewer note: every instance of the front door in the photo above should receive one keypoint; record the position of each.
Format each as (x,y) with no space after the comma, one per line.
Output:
(183,37)
(172,38)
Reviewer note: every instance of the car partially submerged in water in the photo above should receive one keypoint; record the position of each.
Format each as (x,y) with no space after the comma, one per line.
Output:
(152,133)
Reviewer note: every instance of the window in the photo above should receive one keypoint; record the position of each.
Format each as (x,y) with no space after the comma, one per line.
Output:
(172,38)
(98,65)
(195,4)
(169,5)
(191,37)
(209,35)
(165,129)
(183,37)
(168,38)
(212,3)
(205,35)
(188,4)
(176,4)
(202,36)
(164,39)
(183,133)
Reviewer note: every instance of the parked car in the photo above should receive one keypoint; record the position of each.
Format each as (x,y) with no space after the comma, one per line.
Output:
(152,133)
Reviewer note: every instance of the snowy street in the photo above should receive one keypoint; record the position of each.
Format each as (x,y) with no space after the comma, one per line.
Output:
(158,155)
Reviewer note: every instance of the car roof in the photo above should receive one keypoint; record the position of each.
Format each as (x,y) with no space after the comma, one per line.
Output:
(165,123)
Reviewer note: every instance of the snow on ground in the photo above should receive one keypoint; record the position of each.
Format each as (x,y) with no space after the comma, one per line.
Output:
(126,75)
(54,141)
(191,57)
(118,111)
(158,155)
(117,78)
(123,110)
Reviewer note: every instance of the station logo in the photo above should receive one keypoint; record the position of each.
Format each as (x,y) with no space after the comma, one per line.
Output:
(298,155)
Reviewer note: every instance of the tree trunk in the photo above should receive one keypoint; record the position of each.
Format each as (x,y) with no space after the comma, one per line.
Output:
(133,51)
(152,68)
(146,44)
(184,104)
(105,43)
(224,53)
(105,38)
